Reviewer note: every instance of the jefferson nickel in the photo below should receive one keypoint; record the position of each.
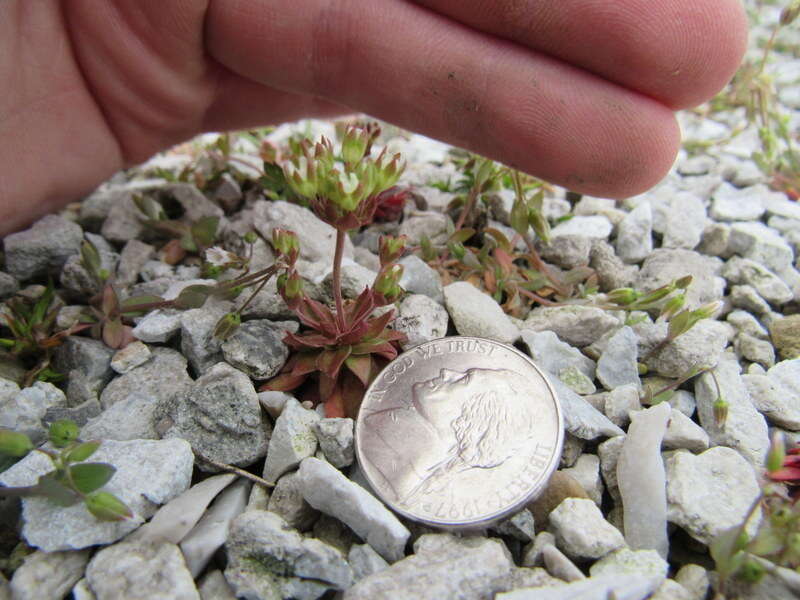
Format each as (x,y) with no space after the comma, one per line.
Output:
(459,432)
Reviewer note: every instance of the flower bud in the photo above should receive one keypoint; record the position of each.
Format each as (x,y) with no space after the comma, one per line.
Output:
(519,216)
(720,409)
(683,282)
(354,144)
(286,243)
(387,170)
(672,306)
(391,248)
(107,507)
(777,452)
(63,432)
(387,282)
(250,237)
(227,325)
(622,296)
(790,13)
(781,516)
(752,571)
(14,443)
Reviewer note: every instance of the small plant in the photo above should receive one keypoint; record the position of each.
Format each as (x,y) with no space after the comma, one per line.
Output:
(71,480)
(776,543)
(344,347)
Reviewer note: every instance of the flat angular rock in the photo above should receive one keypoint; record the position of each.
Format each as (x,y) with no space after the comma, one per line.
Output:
(609,452)
(221,418)
(213,586)
(567,251)
(164,377)
(443,566)
(685,222)
(735,204)
(48,574)
(25,411)
(267,560)
(620,402)
(634,234)
(287,501)
(701,346)
(422,319)
(87,363)
(586,471)
(762,244)
(131,356)
(149,473)
(631,562)
(665,265)
(581,531)
(785,334)
(581,419)
(745,429)
(158,326)
(553,355)
(611,272)
(776,395)
(257,348)
(710,492)
(293,439)
(419,278)
(475,313)
(594,226)
(133,257)
(140,570)
(198,343)
(576,325)
(755,350)
(683,433)
(627,587)
(134,417)
(640,476)
(328,490)
(768,285)
(364,561)
(43,248)
(618,363)
(336,441)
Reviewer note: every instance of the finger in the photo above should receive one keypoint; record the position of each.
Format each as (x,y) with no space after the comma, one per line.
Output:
(410,66)
(680,52)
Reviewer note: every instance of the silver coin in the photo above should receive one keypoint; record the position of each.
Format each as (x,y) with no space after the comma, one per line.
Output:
(459,432)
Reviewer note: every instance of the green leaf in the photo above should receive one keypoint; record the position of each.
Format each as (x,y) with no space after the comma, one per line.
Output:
(519,216)
(204,231)
(461,236)
(192,296)
(14,443)
(88,477)
(51,486)
(82,451)
(90,258)
(107,507)
(128,306)
(63,432)
(726,550)
(113,333)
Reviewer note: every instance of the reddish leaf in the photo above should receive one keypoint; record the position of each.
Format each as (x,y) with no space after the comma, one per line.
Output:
(786,474)
(361,366)
(113,333)
(334,405)
(330,361)
(363,305)
(504,260)
(378,324)
(283,383)
(352,392)
(110,302)
(355,335)
(305,340)
(385,349)
(327,387)
(302,364)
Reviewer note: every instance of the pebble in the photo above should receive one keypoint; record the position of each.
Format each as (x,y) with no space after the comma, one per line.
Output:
(621,587)
(164,377)
(611,272)
(213,586)
(25,410)
(745,429)
(709,492)
(257,349)
(130,357)
(335,438)
(48,574)
(576,325)
(422,319)
(747,298)
(520,526)
(768,285)
(8,285)
(737,204)
(626,561)
(419,278)
(559,566)
(442,566)
(754,349)
(665,265)
(576,380)
(132,258)
(785,334)
(586,471)
(694,579)
(149,473)
(701,346)
(554,356)
(198,343)
(561,486)
(581,530)
(686,219)
(287,501)
(475,313)
(567,251)
(683,433)
(617,365)
(221,418)
(327,490)
(88,365)
(671,590)
(594,226)
(268,560)
(640,477)
(134,417)
(620,402)
(634,235)
(42,249)
(158,326)
(364,561)
(140,570)
(609,452)
(581,419)
(776,395)
(293,439)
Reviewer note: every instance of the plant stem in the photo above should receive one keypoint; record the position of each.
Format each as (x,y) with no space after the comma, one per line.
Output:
(471,199)
(253,295)
(337,278)
(238,471)
(539,265)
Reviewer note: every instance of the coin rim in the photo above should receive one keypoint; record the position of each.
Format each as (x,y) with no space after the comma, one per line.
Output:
(498,515)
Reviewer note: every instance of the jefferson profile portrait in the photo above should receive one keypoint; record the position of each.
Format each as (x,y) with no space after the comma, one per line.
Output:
(450,430)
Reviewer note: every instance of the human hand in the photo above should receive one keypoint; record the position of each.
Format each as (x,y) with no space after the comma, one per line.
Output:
(579,92)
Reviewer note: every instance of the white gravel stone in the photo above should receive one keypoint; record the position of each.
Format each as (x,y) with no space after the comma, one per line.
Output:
(422,319)
(558,565)
(620,402)
(130,357)
(48,574)
(442,566)
(621,587)
(701,346)
(694,579)
(710,492)
(25,410)
(665,265)
(293,439)
(761,244)
(686,220)
(683,433)
(618,363)
(634,234)
(776,395)
(419,278)
(364,561)
(213,586)
(576,325)
(745,429)
(581,419)
(671,590)
(553,355)
(327,490)
(520,526)
(586,471)
(149,473)
(640,476)
(754,349)
(735,204)
(631,562)
(581,531)
(158,326)
(609,452)
(768,285)
(335,438)
(475,313)
(595,226)
(141,571)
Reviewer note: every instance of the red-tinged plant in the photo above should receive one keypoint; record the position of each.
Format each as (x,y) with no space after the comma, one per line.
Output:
(345,347)
(789,471)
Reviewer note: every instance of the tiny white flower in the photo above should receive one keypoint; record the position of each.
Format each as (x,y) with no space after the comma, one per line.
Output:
(218,257)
